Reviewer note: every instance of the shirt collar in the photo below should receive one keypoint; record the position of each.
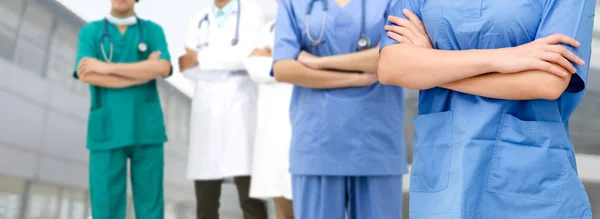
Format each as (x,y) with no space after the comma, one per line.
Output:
(227,10)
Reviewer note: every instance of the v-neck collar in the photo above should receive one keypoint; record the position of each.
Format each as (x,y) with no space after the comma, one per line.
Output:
(338,6)
(123,34)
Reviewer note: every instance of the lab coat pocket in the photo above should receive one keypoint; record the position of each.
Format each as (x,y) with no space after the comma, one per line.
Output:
(99,125)
(529,160)
(433,152)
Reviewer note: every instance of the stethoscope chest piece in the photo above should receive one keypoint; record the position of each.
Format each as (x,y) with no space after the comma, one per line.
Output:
(234,42)
(142,47)
(363,43)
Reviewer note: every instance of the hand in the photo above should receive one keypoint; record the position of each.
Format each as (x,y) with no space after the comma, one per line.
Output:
(154,55)
(542,54)
(408,31)
(310,60)
(261,52)
(366,79)
(188,60)
(88,65)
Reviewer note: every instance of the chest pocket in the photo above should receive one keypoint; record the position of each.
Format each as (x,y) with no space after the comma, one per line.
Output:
(433,21)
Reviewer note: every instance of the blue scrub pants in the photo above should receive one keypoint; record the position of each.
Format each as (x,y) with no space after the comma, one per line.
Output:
(108,182)
(362,197)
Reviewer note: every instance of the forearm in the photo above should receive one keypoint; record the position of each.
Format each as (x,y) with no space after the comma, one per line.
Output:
(109,81)
(144,70)
(527,85)
(419,68)
(259,69)
(293,72)
(363,61)
(225,59)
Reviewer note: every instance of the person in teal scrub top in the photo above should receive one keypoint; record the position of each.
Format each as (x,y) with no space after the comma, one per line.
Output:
(120,57)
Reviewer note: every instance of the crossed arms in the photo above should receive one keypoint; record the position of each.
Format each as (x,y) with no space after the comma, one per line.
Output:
(121,75)
(541,69)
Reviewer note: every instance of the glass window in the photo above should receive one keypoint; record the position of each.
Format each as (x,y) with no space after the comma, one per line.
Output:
(73,204)
(62,56)
(11,194)
(43,202)
(10,15)
(34,37)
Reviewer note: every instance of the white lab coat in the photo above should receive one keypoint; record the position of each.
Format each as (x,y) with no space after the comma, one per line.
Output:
(223,117)
(270,176)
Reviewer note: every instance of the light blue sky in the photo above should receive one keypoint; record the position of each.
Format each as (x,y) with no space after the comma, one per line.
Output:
(173,15)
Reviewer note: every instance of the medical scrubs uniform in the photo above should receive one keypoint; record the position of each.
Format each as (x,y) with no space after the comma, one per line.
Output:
(347,148)
(485,158)
(124,124)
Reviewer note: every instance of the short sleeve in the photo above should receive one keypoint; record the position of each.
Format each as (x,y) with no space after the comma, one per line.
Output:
(573,18)
(395,8)
(158,43)
(85,47)
(287,35)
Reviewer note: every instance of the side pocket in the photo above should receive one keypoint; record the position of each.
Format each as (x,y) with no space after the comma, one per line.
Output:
(153,122)
(99,125)
(433,152)
(529,160)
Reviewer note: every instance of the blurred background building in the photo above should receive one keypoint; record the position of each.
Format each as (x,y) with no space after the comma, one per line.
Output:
(43,112)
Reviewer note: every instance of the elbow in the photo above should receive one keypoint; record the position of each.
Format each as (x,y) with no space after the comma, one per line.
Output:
(163,68)
(553,87)
(84,78)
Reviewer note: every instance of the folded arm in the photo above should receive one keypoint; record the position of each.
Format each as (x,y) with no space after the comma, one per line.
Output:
(363,61)
(109,81)
(143,70)
(414,67)
(294,72)
(526,85)
(259,69)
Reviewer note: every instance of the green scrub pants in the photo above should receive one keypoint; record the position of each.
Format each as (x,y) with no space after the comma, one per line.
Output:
(108,182)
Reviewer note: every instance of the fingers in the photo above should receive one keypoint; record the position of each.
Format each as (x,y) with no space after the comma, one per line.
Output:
(565,53)
(405,23)
(560,38)
(402,31)
(188,50)
(549,67)
(415,20)
(155,55)
(558,59)
(399,38)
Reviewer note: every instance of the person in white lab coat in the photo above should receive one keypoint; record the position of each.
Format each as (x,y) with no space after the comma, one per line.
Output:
(223,118)
(270,177)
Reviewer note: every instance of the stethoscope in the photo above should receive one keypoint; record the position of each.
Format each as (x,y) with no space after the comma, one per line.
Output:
(362,43)
(142,47)
(235,39)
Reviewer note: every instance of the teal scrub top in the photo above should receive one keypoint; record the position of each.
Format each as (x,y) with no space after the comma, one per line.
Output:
(125,116)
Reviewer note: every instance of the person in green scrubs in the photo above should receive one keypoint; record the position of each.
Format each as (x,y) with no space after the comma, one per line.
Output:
(120,57)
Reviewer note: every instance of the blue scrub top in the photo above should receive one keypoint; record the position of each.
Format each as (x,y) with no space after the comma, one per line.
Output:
(349,131)
(497,158)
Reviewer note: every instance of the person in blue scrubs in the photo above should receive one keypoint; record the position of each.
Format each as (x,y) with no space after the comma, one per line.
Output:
(347,151)
(498,83)
(120,57)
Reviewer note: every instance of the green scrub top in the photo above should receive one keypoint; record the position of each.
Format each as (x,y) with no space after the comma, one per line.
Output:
(126,116)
